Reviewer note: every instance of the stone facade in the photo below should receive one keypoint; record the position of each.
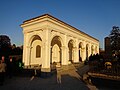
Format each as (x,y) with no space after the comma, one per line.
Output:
(108,50)
(48,40)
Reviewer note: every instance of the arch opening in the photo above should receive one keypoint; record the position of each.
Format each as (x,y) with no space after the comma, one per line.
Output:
(80,51)
(36,50)
(87,48)
(70,46)
(56,52)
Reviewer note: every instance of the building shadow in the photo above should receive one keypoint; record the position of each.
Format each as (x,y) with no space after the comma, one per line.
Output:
(67,70)
(70,76)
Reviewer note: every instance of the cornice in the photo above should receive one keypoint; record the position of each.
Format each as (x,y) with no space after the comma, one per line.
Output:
(56,20)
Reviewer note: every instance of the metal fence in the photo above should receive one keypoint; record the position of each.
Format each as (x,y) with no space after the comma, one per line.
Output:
(108,69)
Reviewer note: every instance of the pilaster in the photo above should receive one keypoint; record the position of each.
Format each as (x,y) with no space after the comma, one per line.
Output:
(26,50)
(64,54)
(75,54)
(84,51)
(46,52)
(65,51)
(76,51)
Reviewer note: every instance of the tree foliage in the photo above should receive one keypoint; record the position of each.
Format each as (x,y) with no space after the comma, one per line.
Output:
(115,39)
(5,45)
(16,50)
(4,41)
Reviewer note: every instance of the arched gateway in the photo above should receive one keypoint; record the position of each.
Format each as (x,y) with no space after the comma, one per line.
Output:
(48,40)
(56,52)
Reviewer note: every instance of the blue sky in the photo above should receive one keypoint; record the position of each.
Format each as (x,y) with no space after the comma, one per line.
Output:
(94,17)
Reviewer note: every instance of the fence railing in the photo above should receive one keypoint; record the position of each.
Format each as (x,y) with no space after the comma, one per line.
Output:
(113,69)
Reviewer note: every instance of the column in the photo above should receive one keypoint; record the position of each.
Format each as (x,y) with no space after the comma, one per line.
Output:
(28,55)
(46,52)
(84,51)
(94,50)
(76,51)
(76,54)
(26,50)
(98,49)
(51,54)
(64,55)
(81,53)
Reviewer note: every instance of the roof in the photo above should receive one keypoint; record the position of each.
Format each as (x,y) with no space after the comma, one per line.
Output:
(55,19)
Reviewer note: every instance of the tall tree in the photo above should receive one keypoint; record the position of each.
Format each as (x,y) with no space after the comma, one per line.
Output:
(5,45)
(115,39)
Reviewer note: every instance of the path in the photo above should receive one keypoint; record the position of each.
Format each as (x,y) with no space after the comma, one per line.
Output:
(68,82)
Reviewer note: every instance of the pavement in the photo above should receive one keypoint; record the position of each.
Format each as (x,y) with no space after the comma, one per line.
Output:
(70,80)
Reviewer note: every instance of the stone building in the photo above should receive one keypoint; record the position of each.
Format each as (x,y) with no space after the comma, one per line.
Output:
(48,40)
(108,50)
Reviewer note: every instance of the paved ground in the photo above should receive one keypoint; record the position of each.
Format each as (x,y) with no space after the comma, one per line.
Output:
(69,81)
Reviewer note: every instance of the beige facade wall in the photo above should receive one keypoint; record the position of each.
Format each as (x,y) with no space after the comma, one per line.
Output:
(58,41)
